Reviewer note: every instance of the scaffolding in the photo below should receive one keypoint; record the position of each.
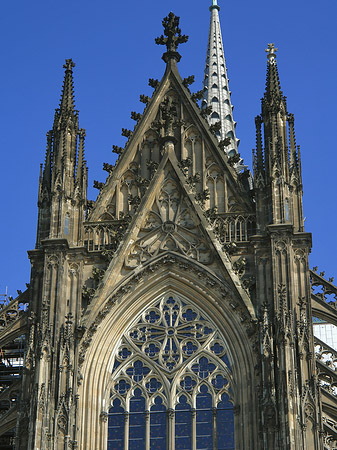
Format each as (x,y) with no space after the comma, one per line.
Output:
(12,346)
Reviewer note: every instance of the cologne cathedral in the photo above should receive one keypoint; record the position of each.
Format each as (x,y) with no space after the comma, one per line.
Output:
(174,312)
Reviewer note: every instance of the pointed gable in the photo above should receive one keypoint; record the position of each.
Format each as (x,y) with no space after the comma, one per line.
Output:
(171,110)
(173,190)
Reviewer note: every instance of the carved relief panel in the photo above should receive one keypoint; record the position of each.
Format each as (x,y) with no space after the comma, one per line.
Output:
(171,225)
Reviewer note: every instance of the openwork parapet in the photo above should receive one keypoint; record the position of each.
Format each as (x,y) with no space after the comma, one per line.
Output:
(100,236)
(233,227)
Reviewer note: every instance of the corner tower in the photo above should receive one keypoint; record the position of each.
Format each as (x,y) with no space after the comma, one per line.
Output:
(289,393)
(277,166)
(63,179)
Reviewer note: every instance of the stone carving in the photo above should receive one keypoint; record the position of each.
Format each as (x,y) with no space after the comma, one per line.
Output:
(188,81)
(179,343)
(170,226)
(173,37)
(168,117)
(239,266)
(154,83)
(184,265)
(144,99)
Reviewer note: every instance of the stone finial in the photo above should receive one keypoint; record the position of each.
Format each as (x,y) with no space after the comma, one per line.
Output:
(173,37)
(69,65)
(271,50)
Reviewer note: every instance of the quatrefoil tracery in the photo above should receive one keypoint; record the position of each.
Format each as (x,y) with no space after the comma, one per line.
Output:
(170,352)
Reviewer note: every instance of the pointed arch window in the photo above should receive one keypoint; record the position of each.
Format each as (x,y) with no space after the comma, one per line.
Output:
(215,115)
(171,379)
(215,100)
(66,224)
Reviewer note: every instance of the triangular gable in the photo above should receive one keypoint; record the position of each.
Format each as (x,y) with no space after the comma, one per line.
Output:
(168,219)
(195,145)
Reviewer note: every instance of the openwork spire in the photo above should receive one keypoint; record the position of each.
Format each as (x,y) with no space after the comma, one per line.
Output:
(173,37)
(216,86)
(67,96)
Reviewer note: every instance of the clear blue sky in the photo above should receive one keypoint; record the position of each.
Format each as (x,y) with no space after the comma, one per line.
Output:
(112,44)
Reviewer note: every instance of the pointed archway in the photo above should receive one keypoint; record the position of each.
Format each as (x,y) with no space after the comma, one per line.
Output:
(133,362)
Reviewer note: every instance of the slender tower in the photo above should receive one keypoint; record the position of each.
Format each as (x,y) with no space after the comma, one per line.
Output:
(63,181)
(48,402)
(289,394)
(216,84)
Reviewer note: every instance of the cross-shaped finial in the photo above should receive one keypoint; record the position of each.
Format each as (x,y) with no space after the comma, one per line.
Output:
(271,50)
(69,65)
(173,37)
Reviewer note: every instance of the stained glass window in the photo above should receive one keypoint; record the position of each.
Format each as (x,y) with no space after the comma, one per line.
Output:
(172,379)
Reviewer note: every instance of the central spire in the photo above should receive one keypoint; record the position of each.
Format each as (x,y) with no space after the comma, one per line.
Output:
(216,84)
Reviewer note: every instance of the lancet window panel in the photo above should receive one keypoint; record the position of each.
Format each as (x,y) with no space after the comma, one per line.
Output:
(172,384)
(237,228)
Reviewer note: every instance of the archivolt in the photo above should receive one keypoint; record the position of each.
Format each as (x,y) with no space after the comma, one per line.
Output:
(223,312)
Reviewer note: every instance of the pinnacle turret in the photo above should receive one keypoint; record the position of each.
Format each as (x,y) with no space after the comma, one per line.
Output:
(63,181)
(216,84)
(277,171)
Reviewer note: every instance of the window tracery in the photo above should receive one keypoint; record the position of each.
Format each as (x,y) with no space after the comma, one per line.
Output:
(171,380)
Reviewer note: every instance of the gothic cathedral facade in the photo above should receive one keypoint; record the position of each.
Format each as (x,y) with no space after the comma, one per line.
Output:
(175,311)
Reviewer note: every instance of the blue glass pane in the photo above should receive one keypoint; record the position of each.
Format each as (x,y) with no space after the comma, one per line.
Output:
(158,426)
(137,422)
(137,371)
(203,368)
(226,361)
(116,427)
(183,426)
(66,225)
(225,425)
(187,383)
(204,420)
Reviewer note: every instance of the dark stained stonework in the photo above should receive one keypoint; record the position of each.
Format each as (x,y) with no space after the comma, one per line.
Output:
(176,216)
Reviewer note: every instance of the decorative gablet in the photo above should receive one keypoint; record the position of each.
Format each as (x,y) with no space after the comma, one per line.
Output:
(173,37)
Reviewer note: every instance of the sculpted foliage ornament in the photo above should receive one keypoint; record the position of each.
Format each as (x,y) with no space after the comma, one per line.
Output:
(173,37)
(168,117)
(170,226)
